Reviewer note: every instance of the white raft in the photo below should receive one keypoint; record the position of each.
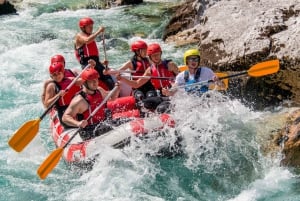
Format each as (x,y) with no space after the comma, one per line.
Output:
(81,151)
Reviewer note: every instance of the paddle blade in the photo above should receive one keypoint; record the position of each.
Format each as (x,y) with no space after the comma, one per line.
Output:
(23,136)
(264,68)
(182,68)
(49,164)
(225,81)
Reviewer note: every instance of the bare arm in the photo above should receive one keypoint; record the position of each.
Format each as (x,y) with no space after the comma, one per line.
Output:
(44,90)
(137,83)
(173,68)
(51,95)
(114,96)
(127,65)
(77,106)
(81,39)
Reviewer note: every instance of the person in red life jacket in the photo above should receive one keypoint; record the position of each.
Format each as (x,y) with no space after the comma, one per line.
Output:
(84,103)
(138,63)
(158,68)
(86,49)
(61,78)
(70,73)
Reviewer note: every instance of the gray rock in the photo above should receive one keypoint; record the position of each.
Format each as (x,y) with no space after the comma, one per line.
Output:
(289,139)
(234,35)
(7,8)
(127,2)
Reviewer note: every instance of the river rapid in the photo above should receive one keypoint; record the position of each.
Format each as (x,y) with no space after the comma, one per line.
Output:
(222,139)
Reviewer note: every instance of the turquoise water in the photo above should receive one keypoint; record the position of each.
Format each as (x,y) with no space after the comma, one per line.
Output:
(222,139)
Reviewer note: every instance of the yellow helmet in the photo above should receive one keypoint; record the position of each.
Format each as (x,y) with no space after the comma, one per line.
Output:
(191,52)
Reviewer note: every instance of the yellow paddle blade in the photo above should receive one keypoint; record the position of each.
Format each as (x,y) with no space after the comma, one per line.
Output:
(49,164)
(264,68)
(182,68)
(213,86)
(24,135)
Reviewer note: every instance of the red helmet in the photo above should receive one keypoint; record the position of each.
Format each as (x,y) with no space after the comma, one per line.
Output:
(90,74)
(56,67)
(85,22)
(153,48)
(137,45)
(57,58)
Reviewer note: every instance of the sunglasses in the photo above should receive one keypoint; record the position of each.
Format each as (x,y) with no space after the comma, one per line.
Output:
(194,59)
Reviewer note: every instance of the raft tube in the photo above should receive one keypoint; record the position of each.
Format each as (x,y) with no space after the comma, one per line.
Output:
(81,151)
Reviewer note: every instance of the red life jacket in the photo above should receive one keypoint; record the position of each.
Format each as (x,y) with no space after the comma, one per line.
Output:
(94,100)
(161,70)
(139,66)
(86,51)
(68,78)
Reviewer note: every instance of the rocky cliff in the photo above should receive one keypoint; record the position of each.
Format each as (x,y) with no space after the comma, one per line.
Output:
(234,35)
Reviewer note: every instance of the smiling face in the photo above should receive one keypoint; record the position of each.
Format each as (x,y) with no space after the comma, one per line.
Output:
(57,76)
(56,71)
(193,61)
(156,57)
(92,84)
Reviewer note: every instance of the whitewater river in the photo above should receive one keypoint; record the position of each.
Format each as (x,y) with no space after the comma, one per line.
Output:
(222,139)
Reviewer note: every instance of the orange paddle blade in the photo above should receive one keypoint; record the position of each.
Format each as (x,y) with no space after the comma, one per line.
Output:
(49,164)
(225,81)
(24,135)
(182,68)
(264,68)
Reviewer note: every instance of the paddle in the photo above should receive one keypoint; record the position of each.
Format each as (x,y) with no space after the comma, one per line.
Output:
(104,49)
(258,70)
(114,72)
(24,135)
(225,83)
(150,77)
(52,160)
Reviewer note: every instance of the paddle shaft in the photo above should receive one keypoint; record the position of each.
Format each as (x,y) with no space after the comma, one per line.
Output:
(93,113)
(104,49)
(260,69)
(66,90)
(115,72)
(210,81)
(149,77)
(230,76)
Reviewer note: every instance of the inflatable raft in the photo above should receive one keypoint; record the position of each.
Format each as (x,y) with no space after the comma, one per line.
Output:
(81,151)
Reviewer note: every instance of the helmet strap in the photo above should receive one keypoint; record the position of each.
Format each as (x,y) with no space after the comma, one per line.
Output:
(88,88)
